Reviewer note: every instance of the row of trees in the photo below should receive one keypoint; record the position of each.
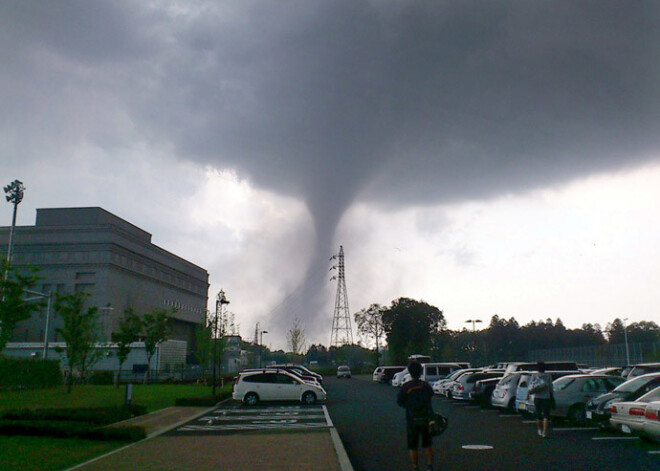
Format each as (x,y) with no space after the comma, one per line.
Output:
(409,326)
(80,325)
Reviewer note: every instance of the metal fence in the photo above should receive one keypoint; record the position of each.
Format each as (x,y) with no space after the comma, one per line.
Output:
(601,355)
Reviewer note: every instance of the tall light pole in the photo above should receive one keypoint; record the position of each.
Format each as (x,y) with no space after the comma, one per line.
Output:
(219,301)
(474,340)
(625,340)
(261,345)
(14,191)
(474,321)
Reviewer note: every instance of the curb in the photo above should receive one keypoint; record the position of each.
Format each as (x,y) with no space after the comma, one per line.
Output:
(344,462)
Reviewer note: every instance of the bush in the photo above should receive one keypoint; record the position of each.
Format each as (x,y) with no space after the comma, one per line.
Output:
(205,401)
(68,429)
(102,378)
(29,373)
(92,415)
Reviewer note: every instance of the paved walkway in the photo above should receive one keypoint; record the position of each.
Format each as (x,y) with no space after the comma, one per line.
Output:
(274,451)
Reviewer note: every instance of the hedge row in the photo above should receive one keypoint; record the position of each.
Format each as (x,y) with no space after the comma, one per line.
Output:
(29,373)
(62,429)
(205,401)
(93,415)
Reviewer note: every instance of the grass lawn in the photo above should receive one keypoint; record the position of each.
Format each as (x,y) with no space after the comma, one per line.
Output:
(153,396)
(53,454)
(49,454)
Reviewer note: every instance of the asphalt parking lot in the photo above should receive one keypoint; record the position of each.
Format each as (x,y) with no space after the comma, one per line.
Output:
(372,429)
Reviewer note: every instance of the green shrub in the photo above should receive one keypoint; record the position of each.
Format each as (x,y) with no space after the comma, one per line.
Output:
(205,401)
(29,373)
(102,378)
(68,429)
(93,415)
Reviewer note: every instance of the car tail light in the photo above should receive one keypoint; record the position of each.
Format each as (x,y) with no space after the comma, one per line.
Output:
(460,387)
(636,411)
(651,414)
(613,409)
(236,379)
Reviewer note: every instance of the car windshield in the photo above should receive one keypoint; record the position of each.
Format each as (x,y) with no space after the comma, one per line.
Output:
(562,383)
(650,396)
(634,384)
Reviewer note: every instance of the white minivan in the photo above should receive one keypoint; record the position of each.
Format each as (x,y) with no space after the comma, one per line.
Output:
(431,372)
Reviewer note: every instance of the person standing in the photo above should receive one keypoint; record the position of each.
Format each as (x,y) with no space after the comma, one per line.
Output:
(415,396)
(540,386)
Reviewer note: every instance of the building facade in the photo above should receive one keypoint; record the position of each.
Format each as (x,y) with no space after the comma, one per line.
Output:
(92,250)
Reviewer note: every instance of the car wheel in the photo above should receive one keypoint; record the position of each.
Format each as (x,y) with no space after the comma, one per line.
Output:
(577,414)
(309,398)
(251,399)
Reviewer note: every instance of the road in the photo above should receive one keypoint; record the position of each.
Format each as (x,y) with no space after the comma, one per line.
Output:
(372,429)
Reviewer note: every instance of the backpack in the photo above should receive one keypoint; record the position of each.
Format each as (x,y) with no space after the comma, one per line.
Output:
(418,401)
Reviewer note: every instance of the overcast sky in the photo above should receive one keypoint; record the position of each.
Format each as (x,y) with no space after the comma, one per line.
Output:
(487,157)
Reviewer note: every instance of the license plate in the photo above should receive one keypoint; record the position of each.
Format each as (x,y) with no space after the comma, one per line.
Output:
(589,414)
(522,406)
(625,428)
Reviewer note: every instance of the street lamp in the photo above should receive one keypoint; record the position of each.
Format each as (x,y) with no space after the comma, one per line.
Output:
(474,321)
(14,193)
(219,301)
(625,339)
(474,343)
(261,343)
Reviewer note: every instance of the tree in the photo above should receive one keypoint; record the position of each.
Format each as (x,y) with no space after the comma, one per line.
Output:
(80,331)
(615,331)
(157,329)
(13,307)
(409,326)
(370,323)
(296,337)
(204,346)
(129,331)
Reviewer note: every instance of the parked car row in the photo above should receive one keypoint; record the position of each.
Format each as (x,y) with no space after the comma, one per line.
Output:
(627,398)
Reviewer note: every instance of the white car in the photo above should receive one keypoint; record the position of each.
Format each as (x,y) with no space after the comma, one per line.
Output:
(651,424)
(397,378)
(272,384)
(343,372)
(629,416)
(377,374)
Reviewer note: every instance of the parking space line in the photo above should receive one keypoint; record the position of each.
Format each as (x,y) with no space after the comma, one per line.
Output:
(328,420)
(654,452)
(575,429)
(528,421)
(508,416)
(615,438)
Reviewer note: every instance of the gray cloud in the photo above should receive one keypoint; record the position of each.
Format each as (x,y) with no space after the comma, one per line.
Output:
(397,103)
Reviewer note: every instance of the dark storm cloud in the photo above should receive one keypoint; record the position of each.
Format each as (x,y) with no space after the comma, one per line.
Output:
(392,101)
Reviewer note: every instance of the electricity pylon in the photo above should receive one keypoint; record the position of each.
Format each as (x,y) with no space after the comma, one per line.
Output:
(342,334)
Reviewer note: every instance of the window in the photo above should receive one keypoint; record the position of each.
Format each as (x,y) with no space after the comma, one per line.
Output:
(285,379)
(431,371)
(261,378)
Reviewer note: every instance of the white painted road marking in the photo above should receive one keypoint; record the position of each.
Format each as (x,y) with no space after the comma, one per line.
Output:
(615,438)
(264,418)
(477,447)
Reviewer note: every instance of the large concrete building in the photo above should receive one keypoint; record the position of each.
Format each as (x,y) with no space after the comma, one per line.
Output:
(92,250)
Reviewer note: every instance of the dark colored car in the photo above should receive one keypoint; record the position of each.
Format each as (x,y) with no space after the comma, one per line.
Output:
(598,408)
(388,372)
(483,390)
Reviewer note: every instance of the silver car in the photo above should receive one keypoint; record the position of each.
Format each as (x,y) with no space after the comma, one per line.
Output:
(572,393)
(504,394)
